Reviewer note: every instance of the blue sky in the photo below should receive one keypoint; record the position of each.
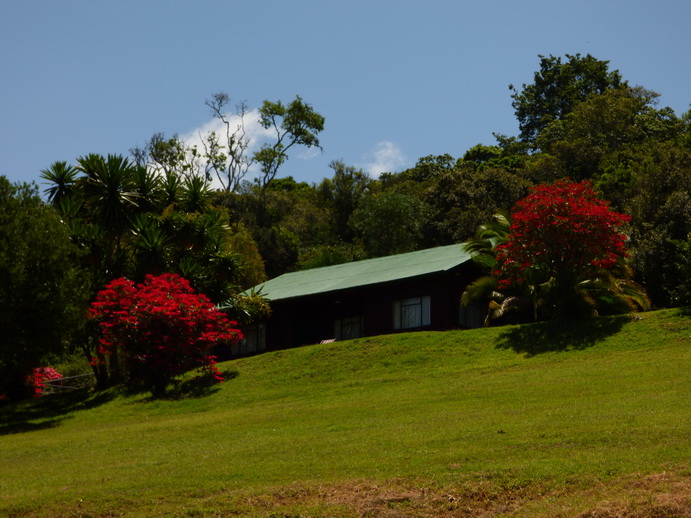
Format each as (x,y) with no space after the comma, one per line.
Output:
(395,79)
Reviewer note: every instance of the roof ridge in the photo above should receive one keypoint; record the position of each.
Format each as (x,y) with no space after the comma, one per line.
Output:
(374,259)
(365,272)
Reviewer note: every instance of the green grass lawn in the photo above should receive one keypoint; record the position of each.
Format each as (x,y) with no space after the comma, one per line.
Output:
(549,419)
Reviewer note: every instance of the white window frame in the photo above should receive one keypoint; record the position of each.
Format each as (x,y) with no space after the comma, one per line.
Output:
(412,312)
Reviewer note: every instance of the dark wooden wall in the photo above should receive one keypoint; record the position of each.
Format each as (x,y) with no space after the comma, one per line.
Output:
(309,320)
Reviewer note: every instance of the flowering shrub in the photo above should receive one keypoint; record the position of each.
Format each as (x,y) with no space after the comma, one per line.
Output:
(561,234)
(159,329)
(37,379)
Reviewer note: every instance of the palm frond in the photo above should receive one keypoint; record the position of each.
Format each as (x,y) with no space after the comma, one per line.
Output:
(480,289)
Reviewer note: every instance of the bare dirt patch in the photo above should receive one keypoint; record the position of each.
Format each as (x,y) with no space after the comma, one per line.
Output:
(659,495)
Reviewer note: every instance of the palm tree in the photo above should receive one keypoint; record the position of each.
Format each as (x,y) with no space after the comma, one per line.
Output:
(111,200)
(195,194)
(62,176)
(612,292)
(518,303)
(147,187)
(486,288)
(488,236)
(109,189)
(150,247)
(171,189)
(523,302)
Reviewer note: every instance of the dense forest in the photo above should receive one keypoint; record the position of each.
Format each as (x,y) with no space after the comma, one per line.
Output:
(170,207)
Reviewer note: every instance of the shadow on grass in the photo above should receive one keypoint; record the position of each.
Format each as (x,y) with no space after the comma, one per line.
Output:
(48,411)
(192,388)
(685,311)
(560,335)
(200,386)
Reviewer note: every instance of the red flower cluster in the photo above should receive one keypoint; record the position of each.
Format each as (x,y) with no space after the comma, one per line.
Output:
(562,229)
(37,379)
(161,327)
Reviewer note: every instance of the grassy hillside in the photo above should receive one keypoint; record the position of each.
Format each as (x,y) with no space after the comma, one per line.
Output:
(541,420)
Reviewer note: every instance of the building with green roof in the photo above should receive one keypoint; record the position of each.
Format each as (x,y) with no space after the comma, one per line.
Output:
(405,292)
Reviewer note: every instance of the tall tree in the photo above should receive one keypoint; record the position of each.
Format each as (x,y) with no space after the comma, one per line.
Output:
(294,124)
(108,190)
(42,295)
(557,87)
(341,194)
(226,155)
(462,198)
(659,201)
(170,156)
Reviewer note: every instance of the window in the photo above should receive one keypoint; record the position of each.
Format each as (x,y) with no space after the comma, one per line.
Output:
(348,328)
(470,316)
(412,312)
(254,339)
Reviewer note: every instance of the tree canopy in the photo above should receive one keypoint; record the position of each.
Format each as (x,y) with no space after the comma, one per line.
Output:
(557,87)
(561,234)
(42,293)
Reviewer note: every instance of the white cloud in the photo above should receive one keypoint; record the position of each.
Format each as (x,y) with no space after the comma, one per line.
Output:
(309,153)
(386,157)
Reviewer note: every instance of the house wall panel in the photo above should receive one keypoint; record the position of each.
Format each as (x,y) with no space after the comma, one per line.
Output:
(310,319)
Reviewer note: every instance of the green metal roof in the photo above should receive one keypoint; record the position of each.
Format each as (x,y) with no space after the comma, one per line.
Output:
(363,273)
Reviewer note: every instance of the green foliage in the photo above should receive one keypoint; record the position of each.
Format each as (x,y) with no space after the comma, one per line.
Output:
(681,293)
(660,206)
(329,255)
(388,223)
(557,87)
(295,124)
(131,221)
(42,293)
(251,270)
(488,236)
(246,308)
(427,168)
(508,156)
(461,199)
(341,195)
(602,127)
(108,190)
(62,177)
(195,194)
(168,156)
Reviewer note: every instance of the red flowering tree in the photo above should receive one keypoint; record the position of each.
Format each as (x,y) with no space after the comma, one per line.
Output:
(159,329)
(562,234)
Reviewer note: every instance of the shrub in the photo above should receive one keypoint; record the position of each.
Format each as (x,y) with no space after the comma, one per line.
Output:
(159,329)
(37,379)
